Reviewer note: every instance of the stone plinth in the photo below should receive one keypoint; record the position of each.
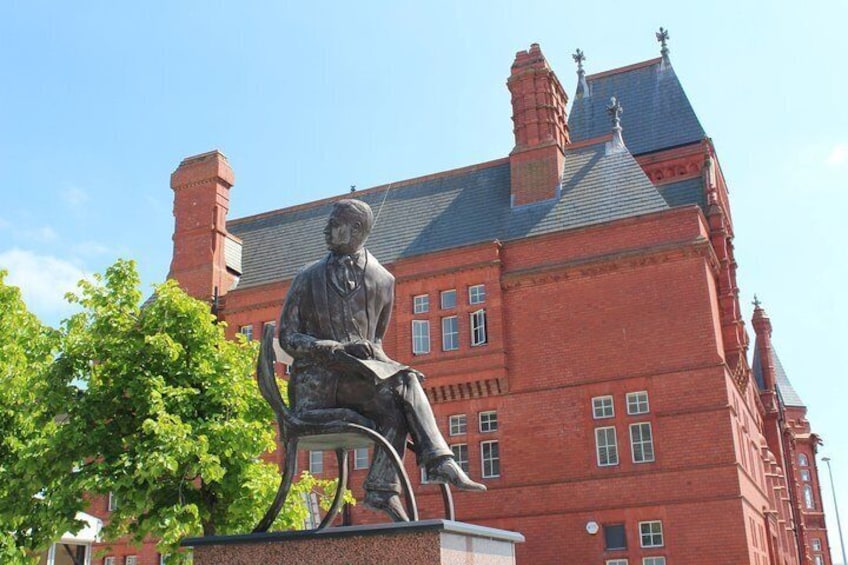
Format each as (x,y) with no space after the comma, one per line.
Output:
(410,543)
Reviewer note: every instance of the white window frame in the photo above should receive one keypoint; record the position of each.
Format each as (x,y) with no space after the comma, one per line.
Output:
(651,534)
(605,446)
(247,331)
(420,337)
(477,294)
(487,465)
(637,403)
(805,475)
(316,462)
(421,304)
(818,560)
(360,458)
(109,560)
(112,502)
(816,543)
(443,295)
(616,562)
(803,461)
(809,498)
(425,480)
(458,424)
(600,407)
(654,560)
(479,333)
(458,449)
(451,344)
(487,421)
(131,560)
(642,442)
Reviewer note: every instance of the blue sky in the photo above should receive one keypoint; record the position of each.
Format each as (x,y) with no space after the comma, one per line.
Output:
(101,100)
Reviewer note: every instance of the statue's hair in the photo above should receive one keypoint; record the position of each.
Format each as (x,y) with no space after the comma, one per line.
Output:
(356,209)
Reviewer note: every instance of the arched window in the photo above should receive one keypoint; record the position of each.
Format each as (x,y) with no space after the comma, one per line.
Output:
(809,503)
(803,461)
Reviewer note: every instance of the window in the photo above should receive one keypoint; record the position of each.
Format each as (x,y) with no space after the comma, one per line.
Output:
(109,560)
(809,503)
(816,544)
(478,327)
(421,304)
(491,457)
(651,534)
(131,560)
(653,561)
(489,421)
(420,337)
(641,442)
(614,536)
(602,407)
(425,480)
(803,461)
(818,560)
(448,299)
(460,453)
(477,294)
(247,331)
(450,333)
(616,562)
(637,403)
(457,424)
(316,462)
(112,503)
(360,458)
(805,475)
(606,446)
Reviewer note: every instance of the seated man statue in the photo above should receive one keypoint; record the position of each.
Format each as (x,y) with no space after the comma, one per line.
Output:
(332,324)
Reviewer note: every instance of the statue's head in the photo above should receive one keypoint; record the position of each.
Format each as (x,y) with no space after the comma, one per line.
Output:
(348,226)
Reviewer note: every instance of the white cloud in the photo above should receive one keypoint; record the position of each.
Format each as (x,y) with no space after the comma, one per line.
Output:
(90,248)
(43,281)
(838,155)
(75,196)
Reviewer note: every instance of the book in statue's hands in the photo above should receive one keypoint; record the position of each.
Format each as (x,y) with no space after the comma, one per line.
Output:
(369,368)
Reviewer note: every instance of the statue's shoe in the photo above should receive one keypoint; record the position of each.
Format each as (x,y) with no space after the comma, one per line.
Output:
(387,502)
(447,470)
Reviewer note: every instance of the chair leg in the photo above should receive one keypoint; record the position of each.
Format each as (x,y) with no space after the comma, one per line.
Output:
(447,498)
(341,457)
(282,491)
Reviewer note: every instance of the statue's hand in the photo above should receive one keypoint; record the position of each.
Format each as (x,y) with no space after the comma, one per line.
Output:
(326,347)
(360,349)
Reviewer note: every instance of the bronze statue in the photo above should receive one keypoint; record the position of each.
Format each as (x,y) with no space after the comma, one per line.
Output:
(332,324)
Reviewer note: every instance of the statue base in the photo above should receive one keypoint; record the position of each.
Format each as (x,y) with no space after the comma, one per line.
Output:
(427,542)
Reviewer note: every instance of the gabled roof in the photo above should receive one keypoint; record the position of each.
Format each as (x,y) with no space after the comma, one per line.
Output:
(657,114)
(787,392)
(451,210)
(684,193)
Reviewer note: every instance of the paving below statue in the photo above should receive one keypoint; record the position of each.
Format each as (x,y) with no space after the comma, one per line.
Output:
(332,324)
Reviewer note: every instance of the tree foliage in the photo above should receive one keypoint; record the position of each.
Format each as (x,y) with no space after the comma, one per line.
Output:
(159,409)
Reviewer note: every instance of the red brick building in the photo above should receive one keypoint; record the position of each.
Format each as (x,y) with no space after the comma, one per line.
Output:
(574,306)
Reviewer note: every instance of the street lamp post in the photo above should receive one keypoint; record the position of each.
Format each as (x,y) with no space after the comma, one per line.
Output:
(835,507)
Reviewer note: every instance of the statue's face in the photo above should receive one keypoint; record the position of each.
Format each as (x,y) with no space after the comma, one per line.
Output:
(342,233)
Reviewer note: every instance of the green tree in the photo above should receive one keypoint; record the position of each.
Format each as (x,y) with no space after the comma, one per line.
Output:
(156,407)
(35,506)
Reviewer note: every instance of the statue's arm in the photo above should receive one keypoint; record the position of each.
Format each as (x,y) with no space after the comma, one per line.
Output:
(383,322)
(293,327)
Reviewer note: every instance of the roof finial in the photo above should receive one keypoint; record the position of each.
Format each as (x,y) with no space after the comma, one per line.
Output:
(582,85)
(353,188)
(615,110)
(756,302)
(662,37)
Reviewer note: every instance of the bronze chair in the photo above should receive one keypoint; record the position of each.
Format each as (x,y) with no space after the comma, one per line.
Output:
(337,429)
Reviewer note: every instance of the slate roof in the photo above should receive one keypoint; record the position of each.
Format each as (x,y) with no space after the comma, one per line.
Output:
(787,392)
(657,114)
(453,210)
(685,192)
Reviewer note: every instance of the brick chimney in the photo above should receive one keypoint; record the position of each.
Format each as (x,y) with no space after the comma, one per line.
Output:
(201,187)
(541,133)
(762,328)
